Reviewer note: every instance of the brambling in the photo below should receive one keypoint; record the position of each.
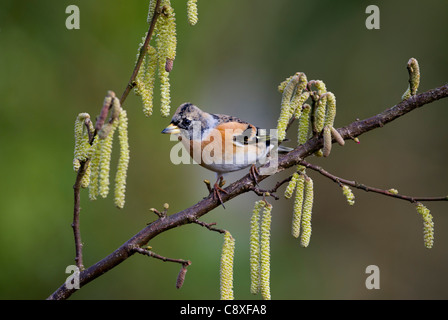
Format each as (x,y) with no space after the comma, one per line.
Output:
(220,143)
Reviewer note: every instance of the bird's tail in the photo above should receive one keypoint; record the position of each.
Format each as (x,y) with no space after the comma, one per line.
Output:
(283,149)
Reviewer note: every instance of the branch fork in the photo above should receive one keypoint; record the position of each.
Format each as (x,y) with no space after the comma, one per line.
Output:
(161,214)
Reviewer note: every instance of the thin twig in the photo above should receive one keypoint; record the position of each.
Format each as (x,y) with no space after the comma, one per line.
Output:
(149,253)
(270,192)
(209,226)
(161,214)
(77,209)
(354,184)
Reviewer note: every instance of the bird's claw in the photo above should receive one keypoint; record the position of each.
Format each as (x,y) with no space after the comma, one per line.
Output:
(253,173)
(217,189)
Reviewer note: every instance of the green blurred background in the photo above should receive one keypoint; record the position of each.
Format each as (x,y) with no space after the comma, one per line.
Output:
(230,62)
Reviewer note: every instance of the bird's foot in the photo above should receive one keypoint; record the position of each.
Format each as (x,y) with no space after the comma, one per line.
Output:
(253,173)
(217,190)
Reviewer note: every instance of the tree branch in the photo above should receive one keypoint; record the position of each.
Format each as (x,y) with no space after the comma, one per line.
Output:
(359,127)
(243,185)
(209,226)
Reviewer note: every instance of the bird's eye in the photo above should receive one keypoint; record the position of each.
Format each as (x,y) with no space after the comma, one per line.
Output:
(187,122)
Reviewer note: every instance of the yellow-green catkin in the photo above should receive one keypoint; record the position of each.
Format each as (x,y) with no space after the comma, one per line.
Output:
(151,10)
(104,161)
(320,86)
(94,155)
(414,78)
(166,43)
(192,12)
(140,85)
(319,113)
(414,75)
(347,192)
(167,31)
(226,271)
(85,181)
(428,225)
(393,191)
(281,87)
(76,164)
(319,153)
(291,185)
(299,97)
(123,161)
(327,141)
(164,90)
(331,109)
(306,213)
(303,128)
(144,83)
(406,94)
(298,207)
(255,247)
(265,254)
(297,104)
(81,140)
(286,111)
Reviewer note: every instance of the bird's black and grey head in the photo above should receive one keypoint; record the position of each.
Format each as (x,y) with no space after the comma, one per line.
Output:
(190,121)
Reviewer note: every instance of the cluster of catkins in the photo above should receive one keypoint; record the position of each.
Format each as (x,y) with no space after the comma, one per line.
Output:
(303,205)
(317,117)
(160,57)
(226,274)
(314,118)
(260,235)
(96,153)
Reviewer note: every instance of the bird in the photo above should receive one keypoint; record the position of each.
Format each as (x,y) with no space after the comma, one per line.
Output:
(220,143)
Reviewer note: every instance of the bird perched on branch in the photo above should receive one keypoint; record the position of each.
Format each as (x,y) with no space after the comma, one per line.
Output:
(221,143)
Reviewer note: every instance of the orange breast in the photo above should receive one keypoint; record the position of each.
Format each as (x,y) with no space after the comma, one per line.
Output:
(218,146)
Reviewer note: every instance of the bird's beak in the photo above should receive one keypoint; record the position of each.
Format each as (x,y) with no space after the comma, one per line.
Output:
(171,129)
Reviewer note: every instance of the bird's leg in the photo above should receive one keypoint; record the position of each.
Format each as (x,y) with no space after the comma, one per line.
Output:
(217,189)
(253,172)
